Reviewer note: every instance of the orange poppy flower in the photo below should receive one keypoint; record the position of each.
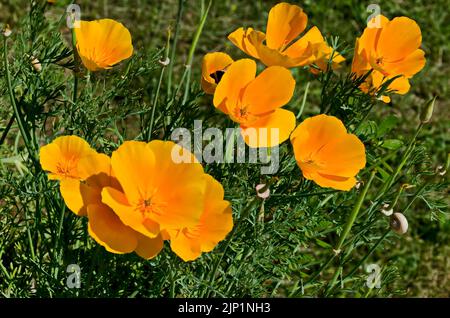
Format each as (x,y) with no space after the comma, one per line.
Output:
(157,194)
(326,153)
(277,46)
(215,223)
(254,102)
(391,50)
(102,43)
(213,68)
(61,157)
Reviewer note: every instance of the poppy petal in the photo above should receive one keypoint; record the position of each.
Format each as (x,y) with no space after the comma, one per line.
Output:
(129,216)
(284,24)
(149,248)
(260,134)
(398,39)
(409,66)
(61,157)
(241,38)
(212,63)
(342,157)
(315,132)
(186,248)
(178,195)
(217,218)
(77,194)
(107,229)
(103,43)
(271,89)
(136,179)
(335,182)
(235,79)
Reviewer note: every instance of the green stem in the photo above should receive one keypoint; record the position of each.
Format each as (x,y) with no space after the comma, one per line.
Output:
(216,265)
(352,217)
(148,136)
(192,51)
(300,112)
(7,128)
(374,247)
(75,77)
(174,46)
(20,122)
(405,158)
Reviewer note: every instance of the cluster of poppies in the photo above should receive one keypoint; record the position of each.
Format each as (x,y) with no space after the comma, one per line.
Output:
(325,152)
(139,197)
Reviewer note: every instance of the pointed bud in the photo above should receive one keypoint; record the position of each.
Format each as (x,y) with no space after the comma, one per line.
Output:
(427,112)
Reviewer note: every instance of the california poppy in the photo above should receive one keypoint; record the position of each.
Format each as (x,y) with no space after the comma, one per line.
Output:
(216,222)
(326,153)
(213,67)
(390,50)
(157,194)
(102,43)
(255,102)
(61,157)
(278,46)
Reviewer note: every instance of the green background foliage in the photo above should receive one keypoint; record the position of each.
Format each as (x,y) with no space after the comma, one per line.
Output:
(279,247)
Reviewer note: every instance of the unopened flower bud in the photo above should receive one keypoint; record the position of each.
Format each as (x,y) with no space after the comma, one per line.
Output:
(427,112)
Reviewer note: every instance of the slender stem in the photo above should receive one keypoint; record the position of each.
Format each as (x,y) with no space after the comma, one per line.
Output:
(300,112)
(30,240)
(374,247)
(352,217)
(20,122)
(216,265)
(155,100)
(7,128)
(174,46)
(75,77)
(192,51)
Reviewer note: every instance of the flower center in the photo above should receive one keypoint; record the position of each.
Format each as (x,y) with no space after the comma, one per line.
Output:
(217,76)
(66,168)
(379,61)
(149,206)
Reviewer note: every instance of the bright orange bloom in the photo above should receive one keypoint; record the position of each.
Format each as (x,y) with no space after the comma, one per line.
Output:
(157,194)
(278,45)
(61,157)
(255,103)
(140,195)
(213,68)
(390,50)
(326,153)
(103,43)
(83,173)
(84,199)
(215,223)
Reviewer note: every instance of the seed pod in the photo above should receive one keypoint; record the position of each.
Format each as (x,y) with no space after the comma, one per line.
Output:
(399,223)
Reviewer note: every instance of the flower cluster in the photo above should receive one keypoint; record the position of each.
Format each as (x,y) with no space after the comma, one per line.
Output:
(324,151)
(390,51)
(139,197)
